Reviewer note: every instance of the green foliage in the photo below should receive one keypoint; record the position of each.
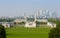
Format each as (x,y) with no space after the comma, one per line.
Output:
(2,32)
(55,21)
(21,23)
(6,20)
(58,23)
(37,22)
(30,19)
(54,33)
(41,22)
(52,20)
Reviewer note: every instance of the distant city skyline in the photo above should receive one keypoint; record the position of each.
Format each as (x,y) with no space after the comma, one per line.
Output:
(19,7)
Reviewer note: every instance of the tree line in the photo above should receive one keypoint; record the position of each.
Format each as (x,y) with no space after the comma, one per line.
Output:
(6,20)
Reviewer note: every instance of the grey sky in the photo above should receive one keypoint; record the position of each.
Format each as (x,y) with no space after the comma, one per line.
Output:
(19,7)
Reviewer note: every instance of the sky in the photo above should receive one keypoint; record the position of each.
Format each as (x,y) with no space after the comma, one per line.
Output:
(19,7)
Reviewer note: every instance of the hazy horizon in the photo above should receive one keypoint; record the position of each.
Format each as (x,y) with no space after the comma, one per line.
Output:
(19,7)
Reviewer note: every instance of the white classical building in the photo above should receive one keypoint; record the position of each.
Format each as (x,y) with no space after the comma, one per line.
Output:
(6,24)
(18,21)
(52,25)
(30,23)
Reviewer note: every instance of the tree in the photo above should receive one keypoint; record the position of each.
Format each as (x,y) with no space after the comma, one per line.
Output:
(54,33)
(58,23)
(2,32)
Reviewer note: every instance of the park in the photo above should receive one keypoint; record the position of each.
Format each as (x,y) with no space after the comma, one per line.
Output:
(22,32)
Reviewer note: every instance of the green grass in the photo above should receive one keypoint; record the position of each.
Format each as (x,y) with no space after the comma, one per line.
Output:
(21,32)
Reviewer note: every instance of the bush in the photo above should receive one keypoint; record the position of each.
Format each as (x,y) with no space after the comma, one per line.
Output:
(2,32)
(58,23)
(21,23)
(54,33)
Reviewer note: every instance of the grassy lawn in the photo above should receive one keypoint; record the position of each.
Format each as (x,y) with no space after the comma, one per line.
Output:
(21,32)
